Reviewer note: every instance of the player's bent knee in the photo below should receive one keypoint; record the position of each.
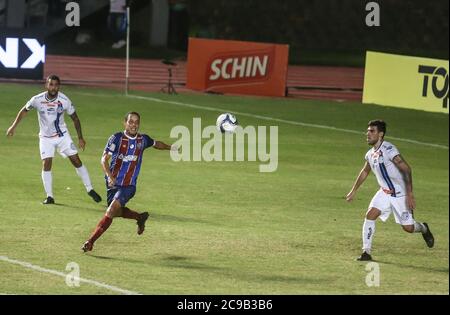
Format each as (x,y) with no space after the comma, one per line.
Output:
(75,159)
(408,228)
(114,209)
(111,213)
(47,164)
(373,214)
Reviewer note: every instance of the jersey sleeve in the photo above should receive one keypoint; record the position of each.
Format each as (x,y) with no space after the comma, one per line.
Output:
(112,146)
(148,142)
(70,108)
(391,151)
(31,104)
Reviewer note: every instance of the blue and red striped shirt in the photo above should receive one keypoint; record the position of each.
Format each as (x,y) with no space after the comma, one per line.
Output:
(126,155)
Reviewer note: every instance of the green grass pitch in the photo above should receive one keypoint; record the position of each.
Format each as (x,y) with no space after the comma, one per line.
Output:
(222,227)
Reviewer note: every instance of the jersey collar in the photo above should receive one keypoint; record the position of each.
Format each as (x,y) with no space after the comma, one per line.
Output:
(132,138)
(50,100)
(376,149)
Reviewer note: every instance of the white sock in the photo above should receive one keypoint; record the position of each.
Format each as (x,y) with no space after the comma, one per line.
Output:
(367,235)
(47,181)
(419,228)
(84,175)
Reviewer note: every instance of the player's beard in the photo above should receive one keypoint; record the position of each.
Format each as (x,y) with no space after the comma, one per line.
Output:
(52,95)
(372,142)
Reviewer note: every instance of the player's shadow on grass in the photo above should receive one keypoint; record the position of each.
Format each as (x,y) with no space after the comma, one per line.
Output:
(423,268)
(99,208)
(126,260)
(172,218)
(186,262)
(182,262)
(169,261)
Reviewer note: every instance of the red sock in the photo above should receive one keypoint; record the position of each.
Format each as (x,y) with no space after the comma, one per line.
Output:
(102,226)
(127,213)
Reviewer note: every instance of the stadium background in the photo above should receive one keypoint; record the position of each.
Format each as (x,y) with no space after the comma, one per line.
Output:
(319,33)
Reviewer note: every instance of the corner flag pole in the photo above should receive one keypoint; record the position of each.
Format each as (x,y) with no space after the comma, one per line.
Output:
(127,62)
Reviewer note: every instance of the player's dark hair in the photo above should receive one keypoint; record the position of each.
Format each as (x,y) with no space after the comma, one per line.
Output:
(380,124)
(131,113)
(53,77)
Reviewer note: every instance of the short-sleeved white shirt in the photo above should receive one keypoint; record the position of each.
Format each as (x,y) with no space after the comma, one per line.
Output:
(388,175)
(51,113)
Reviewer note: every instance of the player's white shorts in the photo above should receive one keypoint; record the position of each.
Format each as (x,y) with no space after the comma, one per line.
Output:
(397,205)
(64,144)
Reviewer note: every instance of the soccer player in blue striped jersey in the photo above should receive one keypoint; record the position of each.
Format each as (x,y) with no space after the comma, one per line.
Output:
(395,195)
(121,162)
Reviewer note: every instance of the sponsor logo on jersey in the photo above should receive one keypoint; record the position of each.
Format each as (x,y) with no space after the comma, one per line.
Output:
(127,158)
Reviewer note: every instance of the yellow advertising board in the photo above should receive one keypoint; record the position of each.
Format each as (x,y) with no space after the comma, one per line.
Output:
(408,82)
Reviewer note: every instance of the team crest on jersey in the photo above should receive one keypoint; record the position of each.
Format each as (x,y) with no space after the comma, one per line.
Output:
(377,157)
(60,108)
(132,146)
(139,145)
(405,216)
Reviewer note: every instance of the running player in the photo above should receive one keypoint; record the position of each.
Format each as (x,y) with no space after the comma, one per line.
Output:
(396,192)
(125,150)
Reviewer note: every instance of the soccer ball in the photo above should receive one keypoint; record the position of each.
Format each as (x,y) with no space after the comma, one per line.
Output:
(226,123)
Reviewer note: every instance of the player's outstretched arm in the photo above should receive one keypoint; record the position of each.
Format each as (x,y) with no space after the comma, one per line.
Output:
(77,124)
(365,171)
(21,114)
(162,146)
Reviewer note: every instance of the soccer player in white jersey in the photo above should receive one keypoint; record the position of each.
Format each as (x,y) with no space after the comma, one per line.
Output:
(53,134)
(396,190)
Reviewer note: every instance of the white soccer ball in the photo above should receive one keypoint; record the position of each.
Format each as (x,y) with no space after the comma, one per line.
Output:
(226,123)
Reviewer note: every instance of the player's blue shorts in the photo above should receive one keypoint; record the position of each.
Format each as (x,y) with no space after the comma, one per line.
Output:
(122,193)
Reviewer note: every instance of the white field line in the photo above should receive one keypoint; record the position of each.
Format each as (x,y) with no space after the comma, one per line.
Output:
(268,118)
(62,274)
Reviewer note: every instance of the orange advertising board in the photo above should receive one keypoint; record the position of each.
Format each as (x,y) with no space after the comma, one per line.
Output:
(237,67)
